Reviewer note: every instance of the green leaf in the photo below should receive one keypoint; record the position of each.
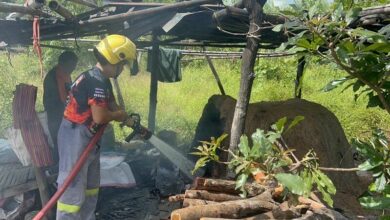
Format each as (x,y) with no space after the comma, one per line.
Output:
(241,167)
(334,84)
(260,141)
(243,146)
(330,188)
(197,153)
(200,163)
(352,15)
(360,32)
(241,181)
(294,183)
(366,150)
(273,136)
(385,30)
(381,47)
(296,120)
(278,28)
(307,178)
(303,42)
(337,13)
(380,183)
(313,11)
(296,49)
(348,46)
(282,47)
(342,54)
(327,198)
(371,202)
(369,165)
(280,124)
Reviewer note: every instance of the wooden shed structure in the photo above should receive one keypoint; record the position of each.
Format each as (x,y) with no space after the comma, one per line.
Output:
(203,23)
(187,23)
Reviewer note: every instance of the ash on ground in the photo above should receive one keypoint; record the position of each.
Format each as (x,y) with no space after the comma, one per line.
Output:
(156,179)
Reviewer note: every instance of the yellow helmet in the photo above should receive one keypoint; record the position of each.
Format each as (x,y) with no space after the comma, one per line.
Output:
(116,48)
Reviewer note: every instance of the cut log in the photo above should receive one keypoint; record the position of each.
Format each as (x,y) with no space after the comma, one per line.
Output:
(323,213)
(211,196)
(196,202)
(176,198)
(313,204)
(231,209)
(273,214)
(227,186)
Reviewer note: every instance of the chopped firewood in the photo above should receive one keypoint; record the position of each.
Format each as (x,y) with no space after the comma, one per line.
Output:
(227,186)
(176,198)
(322,213)
(259,177)
(230,209)
(278,191)
(195,202)
(273,214)
(211,196)
(314,197)
(313,204)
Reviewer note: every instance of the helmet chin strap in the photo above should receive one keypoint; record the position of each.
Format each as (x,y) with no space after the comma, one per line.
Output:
(117,73)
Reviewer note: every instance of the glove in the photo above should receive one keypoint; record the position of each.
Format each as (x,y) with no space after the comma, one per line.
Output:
(144,133)
(136,118)
(133,121)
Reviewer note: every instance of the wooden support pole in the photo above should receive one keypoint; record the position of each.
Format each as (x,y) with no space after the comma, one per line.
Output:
(43,188)
(255,10)
(214,71)
(61,10)
(153,84)
(298,80)
(9,7)
(145,12)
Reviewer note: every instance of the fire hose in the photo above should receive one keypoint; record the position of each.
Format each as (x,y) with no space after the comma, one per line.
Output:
(137,129)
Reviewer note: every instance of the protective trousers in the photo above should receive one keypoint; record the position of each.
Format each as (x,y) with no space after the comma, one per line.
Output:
(79,200)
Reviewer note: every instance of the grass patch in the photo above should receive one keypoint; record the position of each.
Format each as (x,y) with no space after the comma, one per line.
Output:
(180,105)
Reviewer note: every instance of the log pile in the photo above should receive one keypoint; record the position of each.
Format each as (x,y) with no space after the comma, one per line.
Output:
(217,199)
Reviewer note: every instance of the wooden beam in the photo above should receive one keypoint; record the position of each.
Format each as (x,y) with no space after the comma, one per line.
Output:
(153,84)
(156,4)
(43,187)
(145,12)
(214,71)
(61,10)
(18,189)
(24,187)
(9,7)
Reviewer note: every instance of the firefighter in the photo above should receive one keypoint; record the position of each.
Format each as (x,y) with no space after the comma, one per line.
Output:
(55,90)
(90,105)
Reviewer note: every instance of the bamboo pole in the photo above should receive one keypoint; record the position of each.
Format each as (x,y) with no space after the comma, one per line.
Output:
(9,7)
